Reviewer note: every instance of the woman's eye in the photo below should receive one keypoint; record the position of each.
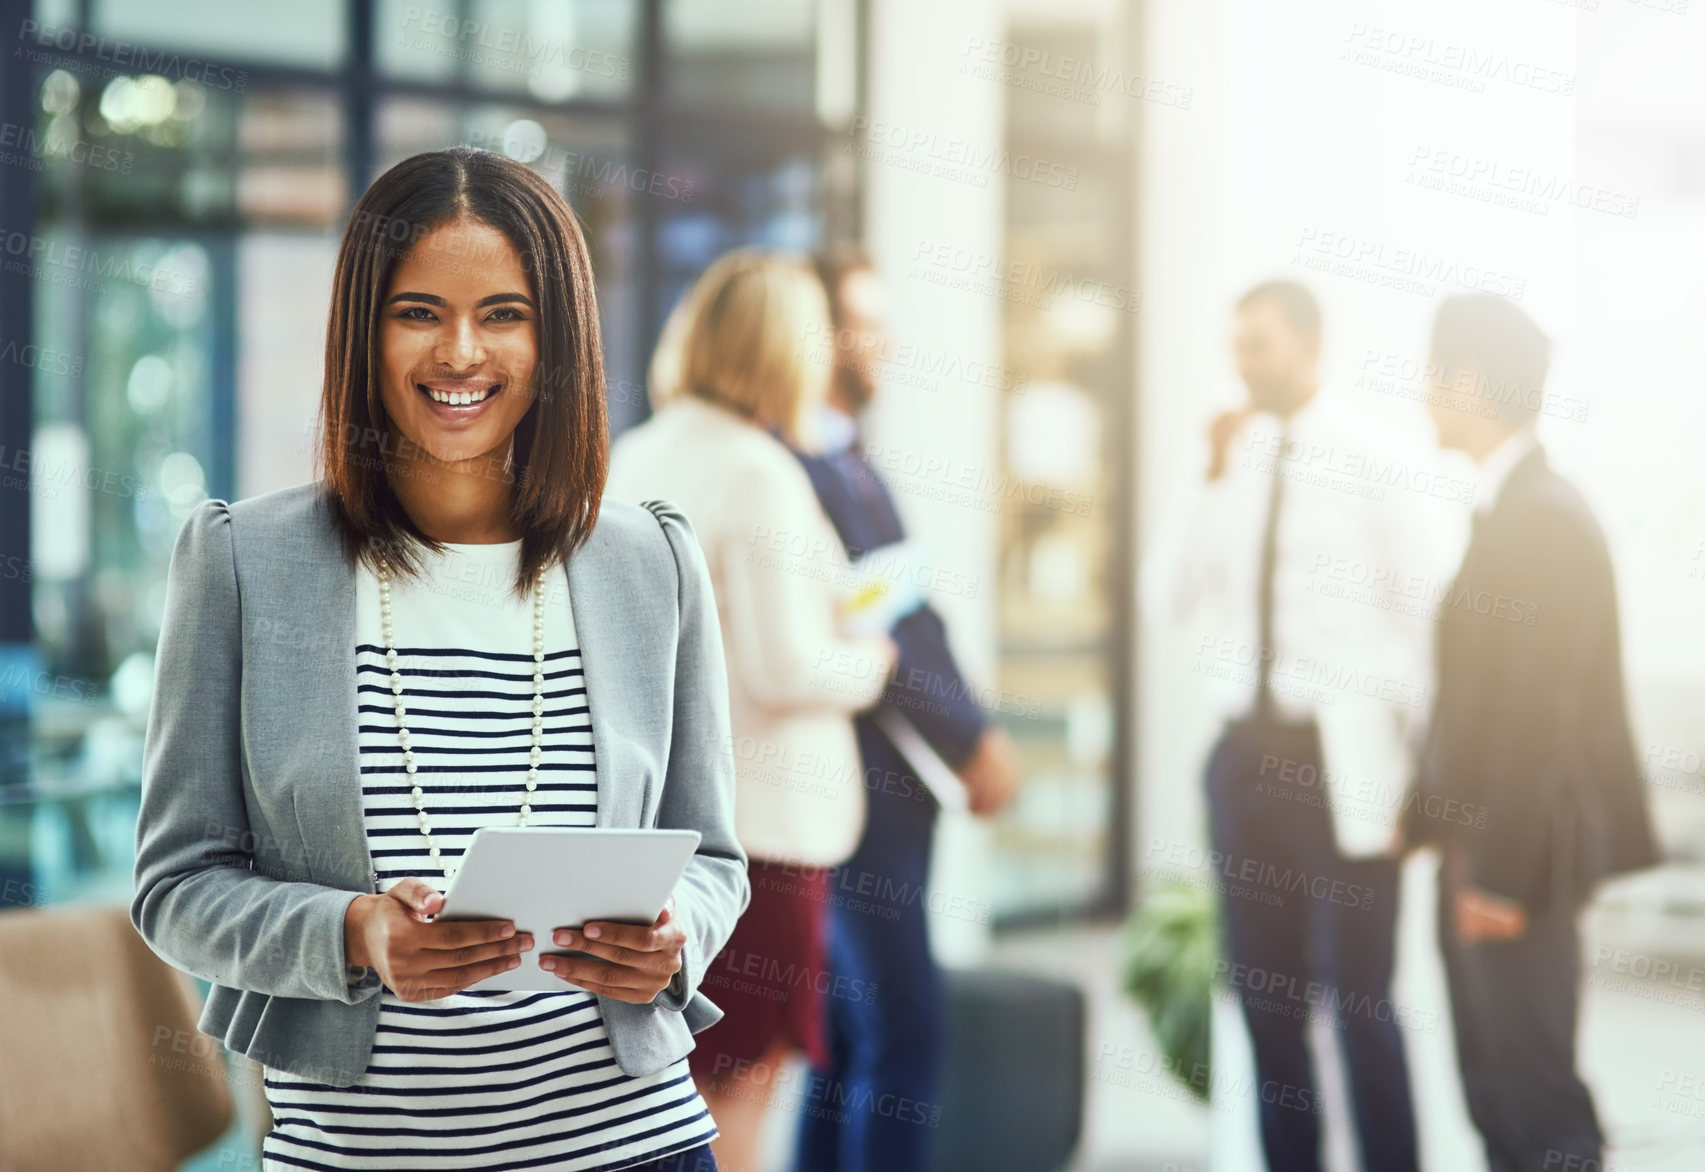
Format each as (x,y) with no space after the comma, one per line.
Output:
(422,313)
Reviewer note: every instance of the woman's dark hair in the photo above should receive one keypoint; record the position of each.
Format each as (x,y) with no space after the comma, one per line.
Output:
(562,444)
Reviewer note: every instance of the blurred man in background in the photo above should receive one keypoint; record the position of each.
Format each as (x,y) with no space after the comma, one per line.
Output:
(1320,690)
(1530,738)
(886,1049)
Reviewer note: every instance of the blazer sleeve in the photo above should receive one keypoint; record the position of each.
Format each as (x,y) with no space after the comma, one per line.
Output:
(929,690)
(198,902)
(778,592)
(698,788)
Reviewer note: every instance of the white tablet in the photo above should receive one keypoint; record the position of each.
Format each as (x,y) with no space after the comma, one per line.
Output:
(549,877)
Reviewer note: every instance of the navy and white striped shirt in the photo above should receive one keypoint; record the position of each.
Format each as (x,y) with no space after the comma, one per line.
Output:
(490,1080)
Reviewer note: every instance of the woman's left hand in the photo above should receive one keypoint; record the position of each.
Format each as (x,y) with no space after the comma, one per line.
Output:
(635,962)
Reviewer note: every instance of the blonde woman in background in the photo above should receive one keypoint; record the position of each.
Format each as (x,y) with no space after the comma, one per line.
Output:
(734,376)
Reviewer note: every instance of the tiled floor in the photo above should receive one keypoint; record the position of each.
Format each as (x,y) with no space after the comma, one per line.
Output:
(1642,1049)
(1642,1046)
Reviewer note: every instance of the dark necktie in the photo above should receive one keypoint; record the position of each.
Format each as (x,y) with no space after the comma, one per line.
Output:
(1264,598)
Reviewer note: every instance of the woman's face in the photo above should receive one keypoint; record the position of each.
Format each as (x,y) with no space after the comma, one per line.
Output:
(458,341)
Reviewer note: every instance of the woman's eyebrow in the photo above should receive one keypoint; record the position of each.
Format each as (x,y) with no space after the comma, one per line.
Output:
(434,299)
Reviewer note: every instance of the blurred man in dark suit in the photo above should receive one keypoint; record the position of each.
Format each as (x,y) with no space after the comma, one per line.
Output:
(1529,744)
(886,1048)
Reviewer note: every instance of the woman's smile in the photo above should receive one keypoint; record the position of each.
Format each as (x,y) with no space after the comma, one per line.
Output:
(464,338)
(459,400)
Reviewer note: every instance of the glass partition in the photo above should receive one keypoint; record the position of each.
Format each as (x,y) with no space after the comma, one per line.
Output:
(188,221)
(1069,319)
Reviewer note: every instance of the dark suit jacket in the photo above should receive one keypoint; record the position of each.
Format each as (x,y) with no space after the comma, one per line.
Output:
(927,688)
(1530,772)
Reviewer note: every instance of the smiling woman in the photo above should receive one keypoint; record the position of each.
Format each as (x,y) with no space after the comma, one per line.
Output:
(463,296)
(446,631)
(456,369)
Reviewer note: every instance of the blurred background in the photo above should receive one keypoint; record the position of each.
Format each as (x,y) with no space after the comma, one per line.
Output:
(1064,199)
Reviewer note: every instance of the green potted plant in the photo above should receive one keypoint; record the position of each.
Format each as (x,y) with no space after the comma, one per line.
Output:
(1171,944)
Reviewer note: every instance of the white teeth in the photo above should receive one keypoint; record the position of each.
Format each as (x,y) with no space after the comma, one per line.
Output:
(458,398)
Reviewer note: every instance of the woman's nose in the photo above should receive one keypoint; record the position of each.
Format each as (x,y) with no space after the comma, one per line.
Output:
(460,345)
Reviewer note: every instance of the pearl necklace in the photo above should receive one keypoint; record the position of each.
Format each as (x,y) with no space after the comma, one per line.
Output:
(402,726)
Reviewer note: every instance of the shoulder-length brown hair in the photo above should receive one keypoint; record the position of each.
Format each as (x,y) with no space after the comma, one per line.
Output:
(561,445)
(750,335)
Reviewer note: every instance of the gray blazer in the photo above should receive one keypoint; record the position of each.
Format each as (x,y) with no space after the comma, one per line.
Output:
(251,844)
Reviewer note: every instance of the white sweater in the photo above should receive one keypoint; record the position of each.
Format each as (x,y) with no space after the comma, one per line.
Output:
(794,680)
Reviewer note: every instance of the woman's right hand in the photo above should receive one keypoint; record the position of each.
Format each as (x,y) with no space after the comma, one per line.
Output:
(419,959)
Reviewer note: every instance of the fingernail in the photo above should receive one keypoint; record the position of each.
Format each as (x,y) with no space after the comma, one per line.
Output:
(508,931)
(565,937)
(549,963)
(513,961)
(592,931)
(526,942)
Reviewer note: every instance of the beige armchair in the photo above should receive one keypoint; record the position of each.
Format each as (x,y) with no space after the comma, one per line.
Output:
(101,1065)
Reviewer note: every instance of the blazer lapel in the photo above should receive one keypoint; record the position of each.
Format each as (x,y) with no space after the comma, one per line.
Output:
(595,596)
(1528,471)
(349,817)
(310,683)
(1489,526)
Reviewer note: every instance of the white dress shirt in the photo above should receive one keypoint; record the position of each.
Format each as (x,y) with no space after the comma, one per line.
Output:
(1356,585)
(836,430)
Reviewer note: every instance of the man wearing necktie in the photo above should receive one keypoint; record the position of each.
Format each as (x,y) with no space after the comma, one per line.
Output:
(1529,741)
(1294,567)
(886,1049)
